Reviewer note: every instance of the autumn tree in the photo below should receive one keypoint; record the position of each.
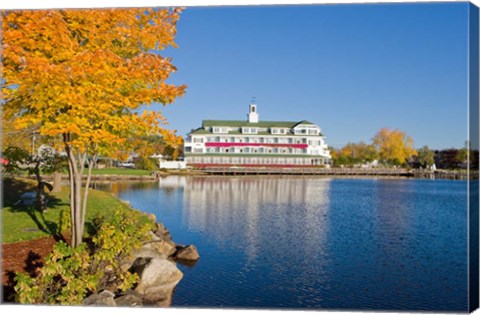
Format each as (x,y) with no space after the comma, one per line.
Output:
(355,153)
(173,146)
(86,77)
(393,146)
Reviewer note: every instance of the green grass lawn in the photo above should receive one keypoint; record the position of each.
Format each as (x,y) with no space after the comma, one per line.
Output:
(21,222)
(119,171)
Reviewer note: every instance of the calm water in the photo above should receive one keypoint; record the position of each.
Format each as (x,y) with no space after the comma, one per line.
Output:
(313,242)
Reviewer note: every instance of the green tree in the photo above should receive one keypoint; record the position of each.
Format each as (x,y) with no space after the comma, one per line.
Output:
(425,156)
(44,161)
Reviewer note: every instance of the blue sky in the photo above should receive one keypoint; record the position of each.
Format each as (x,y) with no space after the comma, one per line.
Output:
(350,68)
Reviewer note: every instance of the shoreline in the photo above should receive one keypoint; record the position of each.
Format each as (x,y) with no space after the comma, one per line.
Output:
(321,173)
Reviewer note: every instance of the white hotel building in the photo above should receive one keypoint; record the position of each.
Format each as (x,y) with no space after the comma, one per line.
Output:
(256,143)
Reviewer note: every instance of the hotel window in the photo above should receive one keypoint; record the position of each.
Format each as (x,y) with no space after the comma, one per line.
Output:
(249,130)
(216,130)
(312,132)
(197,151)
(197,140)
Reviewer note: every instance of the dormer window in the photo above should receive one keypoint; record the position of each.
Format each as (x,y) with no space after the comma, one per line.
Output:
(249,130)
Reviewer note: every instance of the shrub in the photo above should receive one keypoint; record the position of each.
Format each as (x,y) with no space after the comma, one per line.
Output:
(70,274)
(145,163)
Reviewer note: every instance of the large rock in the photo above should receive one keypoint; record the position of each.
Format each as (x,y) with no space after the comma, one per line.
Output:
(161,245)
(104,298)
(162,231)
(158,278)
(189,252)
(129,298)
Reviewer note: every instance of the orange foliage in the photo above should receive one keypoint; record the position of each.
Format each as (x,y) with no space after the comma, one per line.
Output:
(87,72)
(83,76)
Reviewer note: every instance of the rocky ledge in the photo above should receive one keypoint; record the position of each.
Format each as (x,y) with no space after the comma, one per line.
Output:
(156,265)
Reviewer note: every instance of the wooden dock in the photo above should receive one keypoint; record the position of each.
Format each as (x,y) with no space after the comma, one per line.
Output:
(343,172)
(395,172)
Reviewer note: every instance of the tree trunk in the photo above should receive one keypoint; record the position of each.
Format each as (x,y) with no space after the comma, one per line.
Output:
(78,205)
(57,182)
(75,180)
(40,188)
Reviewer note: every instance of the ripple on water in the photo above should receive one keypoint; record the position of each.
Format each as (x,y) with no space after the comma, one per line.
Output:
(368,244)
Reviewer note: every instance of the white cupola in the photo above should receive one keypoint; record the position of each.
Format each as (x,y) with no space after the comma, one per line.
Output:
(253,114)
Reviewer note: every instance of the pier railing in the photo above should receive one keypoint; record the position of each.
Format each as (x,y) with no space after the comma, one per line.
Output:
(384,172)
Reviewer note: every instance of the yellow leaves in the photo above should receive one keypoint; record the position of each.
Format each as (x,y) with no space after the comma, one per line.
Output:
(85,72)
(393,145)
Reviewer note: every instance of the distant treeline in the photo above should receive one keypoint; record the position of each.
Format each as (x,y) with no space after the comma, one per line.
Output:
(453,159)
(395,148)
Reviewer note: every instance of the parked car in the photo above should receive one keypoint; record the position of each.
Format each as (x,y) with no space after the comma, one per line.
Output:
(127,164)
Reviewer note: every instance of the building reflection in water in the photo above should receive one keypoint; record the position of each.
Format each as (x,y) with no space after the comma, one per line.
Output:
(254,213)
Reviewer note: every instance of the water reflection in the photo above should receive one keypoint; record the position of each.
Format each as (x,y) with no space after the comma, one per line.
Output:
(313,242)
(256,209)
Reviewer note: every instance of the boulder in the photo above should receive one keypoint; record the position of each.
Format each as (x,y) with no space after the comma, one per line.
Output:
(161,245)
(189,252)
(104,298)
(129,298)
(162,231)
(158,278)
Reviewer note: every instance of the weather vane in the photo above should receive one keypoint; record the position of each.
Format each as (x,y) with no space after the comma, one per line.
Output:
(253,99)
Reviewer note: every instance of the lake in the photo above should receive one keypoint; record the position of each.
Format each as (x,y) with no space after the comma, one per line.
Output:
(321,243)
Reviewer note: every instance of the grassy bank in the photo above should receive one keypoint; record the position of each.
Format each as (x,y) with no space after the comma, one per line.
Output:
(119,171)
(24,222)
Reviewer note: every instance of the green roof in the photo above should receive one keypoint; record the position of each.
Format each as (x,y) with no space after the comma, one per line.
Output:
(243,123)
(200,131)
(304,122)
